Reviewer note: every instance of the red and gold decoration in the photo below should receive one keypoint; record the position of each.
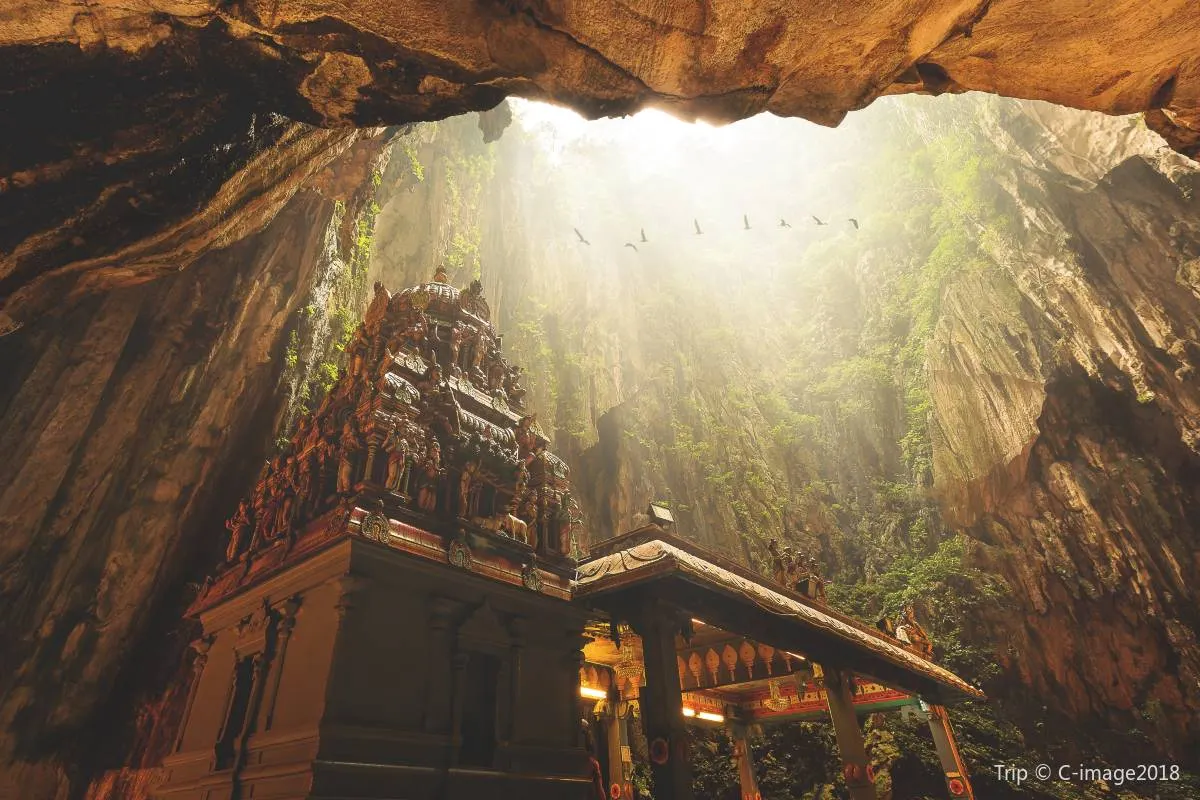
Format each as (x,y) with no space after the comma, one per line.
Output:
(660,752)
(797,572)
(423,443)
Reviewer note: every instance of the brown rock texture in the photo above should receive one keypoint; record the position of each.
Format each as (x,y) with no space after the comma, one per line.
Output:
(137,127)
(127,421)
(1066,439)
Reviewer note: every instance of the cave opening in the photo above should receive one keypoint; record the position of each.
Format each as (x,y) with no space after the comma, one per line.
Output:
(946,350)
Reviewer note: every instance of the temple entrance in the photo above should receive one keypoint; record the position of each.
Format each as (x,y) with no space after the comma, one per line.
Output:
(777,656)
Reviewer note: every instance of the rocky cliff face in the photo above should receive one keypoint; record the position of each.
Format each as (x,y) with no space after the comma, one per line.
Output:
(998,363)
(128,422)
(990,384)
(1065,408)
(139,129)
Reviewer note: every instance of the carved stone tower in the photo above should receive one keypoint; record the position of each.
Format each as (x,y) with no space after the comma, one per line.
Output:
(394,617)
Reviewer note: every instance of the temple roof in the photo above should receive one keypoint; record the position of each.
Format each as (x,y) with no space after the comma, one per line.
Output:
(423,444)
(737,600)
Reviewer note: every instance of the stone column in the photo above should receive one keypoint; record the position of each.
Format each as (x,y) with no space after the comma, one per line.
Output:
(745,762)
(574,662)
(849,735)
(350,588)
(286,624)
(957,782)
(519,629)
(438,712)
(615,737)
(662,703)
(201,646)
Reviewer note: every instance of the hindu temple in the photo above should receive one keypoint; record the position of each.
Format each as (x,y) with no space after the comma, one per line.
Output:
(411,607)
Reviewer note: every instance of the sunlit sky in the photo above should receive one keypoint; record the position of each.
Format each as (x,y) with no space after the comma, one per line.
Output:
(614,177)
(651,139)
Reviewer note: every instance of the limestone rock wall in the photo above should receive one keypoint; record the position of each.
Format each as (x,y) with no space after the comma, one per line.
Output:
(136,130)
(1059,376)
(132,422)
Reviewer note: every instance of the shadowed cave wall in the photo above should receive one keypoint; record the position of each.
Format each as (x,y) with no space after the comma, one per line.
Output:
(137,415)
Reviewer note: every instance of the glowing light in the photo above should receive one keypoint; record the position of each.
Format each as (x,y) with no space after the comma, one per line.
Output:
(592,694)
(704,715)
(699,622)
(795,656)
(646,137)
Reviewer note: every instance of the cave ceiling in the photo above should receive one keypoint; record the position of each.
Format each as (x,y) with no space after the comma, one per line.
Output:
(135,131)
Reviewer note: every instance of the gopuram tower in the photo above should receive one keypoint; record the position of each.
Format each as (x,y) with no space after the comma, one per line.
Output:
(393,619)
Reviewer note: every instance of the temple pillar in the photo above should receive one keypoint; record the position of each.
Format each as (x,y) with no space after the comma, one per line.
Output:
(287,624)
(849,735)
(957,782)
(662,704)
(617,744)
(201,646)
(745,762)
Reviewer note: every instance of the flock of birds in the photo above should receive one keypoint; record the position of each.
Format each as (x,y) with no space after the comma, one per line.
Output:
(783,223)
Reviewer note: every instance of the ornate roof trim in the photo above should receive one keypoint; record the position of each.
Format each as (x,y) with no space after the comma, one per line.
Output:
(646,560)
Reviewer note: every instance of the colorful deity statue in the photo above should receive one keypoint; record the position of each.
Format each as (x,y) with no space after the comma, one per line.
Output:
(513,388)
(240,529)
(909,631)
(564,524)
(465,484)
(285,497)
(400,415)
(397,452)
(431,477)
(348,456)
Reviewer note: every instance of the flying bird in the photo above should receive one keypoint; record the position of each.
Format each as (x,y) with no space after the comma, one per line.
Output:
(697,224)
(644,239)
(783,223)
(818,221)
(745,222)
(854,222)
(580,235)
(631,244)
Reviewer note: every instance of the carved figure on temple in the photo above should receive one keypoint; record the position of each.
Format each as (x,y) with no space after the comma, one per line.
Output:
(300,434)
(348,456)
(477,373)
(325,454)
(358,354)
(527,509)
(377,311)
(526,437)
(303,483)
(781,571)
(513,388)
(909,631)
(431,381)
(564,525)
(431,476)
(515,527)
(456,340)
(409,423)
(417,331)
(497,367)
(240,528)
(522,481)
(312,434)
(285,498)
(469,473)
(397,452)
(472,301)
(260,502)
